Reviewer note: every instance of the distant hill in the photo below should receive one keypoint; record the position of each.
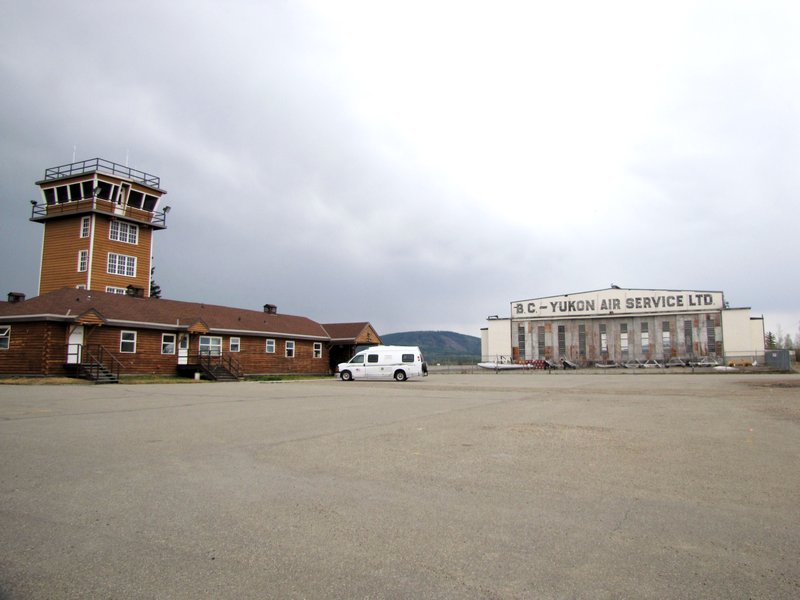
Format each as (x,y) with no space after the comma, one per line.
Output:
(445,347)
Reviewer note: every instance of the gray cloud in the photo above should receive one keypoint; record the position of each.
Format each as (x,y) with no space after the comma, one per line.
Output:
(314,162)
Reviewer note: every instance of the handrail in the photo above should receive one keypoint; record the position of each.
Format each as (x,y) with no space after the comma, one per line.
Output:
(101,165)
(208,360)
(94,359)
(42,211)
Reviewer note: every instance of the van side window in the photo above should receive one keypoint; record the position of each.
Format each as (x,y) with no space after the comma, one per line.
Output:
(372,358)
(357,360)
(408,358)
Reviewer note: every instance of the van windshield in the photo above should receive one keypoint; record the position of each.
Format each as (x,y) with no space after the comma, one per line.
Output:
(357,360)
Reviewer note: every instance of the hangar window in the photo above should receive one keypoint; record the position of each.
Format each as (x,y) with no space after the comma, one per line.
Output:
(645,338)
(5,337)
(603,339)
(712,335)
(623,340)
(540,340)
(582,340)
(687,337)
(521,341)
(666,338)
(562,340)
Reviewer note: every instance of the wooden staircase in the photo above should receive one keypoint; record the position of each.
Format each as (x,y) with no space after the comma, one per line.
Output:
(219,368)
(98,365)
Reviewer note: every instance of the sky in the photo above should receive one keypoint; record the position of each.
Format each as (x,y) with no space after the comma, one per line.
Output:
(421,165)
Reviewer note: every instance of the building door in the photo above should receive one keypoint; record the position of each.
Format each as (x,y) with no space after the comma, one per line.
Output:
(183,350)
(75,345)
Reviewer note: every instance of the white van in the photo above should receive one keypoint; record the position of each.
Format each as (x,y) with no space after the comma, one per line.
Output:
(384,362)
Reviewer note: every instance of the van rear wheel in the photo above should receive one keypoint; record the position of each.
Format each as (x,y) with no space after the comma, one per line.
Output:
(347,376)
(400,375)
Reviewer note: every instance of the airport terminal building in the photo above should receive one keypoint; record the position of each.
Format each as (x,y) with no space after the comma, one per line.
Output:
(618,325)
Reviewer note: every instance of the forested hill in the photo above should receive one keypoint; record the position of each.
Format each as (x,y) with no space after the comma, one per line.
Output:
(445,347)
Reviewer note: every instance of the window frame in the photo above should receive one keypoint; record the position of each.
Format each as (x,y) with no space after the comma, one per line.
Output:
(210,345)
(269,346)
(5,337)
(165,343)
(231,344)
(83,261)
(86,226)
(317,349)
(289,349)
(123,341)
(121,231)
(125,267)
(112,289)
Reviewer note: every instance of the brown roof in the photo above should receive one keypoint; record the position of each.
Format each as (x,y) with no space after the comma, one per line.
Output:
(69,304)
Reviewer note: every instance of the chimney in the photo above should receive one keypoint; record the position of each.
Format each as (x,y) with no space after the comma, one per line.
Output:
(14,297)
(270,309)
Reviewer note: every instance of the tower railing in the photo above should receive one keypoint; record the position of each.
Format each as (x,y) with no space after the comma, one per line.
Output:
(103,166)
(41,212)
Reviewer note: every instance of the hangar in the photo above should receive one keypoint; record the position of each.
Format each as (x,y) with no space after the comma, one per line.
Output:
(619,325)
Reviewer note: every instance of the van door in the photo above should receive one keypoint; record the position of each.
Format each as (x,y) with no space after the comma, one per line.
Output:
(356,366)
(373,366)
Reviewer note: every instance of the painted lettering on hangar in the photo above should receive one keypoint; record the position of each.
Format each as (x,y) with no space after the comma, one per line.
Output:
(617,302)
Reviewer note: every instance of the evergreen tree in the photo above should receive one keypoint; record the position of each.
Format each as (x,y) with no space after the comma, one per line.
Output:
(770,343)
(155,289)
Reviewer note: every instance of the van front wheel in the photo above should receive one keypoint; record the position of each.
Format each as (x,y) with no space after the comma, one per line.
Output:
(347,376)
(400,375)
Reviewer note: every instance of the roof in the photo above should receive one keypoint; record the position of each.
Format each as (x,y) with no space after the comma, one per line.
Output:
(361,332)
(69,304)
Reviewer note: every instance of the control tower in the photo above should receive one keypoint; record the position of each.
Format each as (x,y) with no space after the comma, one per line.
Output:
(99,218)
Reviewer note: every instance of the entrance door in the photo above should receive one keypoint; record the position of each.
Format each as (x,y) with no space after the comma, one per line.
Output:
(183,350)
(75,345)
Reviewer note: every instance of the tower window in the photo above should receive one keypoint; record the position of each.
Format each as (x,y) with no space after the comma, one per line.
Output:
(135,199)
(85,224)
(83,261)
(123,232)
(119,264)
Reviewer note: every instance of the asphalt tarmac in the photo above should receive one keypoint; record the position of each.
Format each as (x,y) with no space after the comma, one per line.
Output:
(510,485)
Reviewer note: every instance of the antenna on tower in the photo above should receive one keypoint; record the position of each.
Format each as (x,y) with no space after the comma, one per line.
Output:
(74,151)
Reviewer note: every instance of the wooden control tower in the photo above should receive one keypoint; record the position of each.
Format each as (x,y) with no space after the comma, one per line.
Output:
(99,218)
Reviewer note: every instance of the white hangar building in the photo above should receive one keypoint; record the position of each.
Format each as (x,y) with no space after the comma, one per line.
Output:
(617,324)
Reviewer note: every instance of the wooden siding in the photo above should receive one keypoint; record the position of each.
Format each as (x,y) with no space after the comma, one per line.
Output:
(41,349)
(62,243)
(103,245)
(35,349)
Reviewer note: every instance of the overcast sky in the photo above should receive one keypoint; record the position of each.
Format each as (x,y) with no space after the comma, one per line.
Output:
(421,164)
